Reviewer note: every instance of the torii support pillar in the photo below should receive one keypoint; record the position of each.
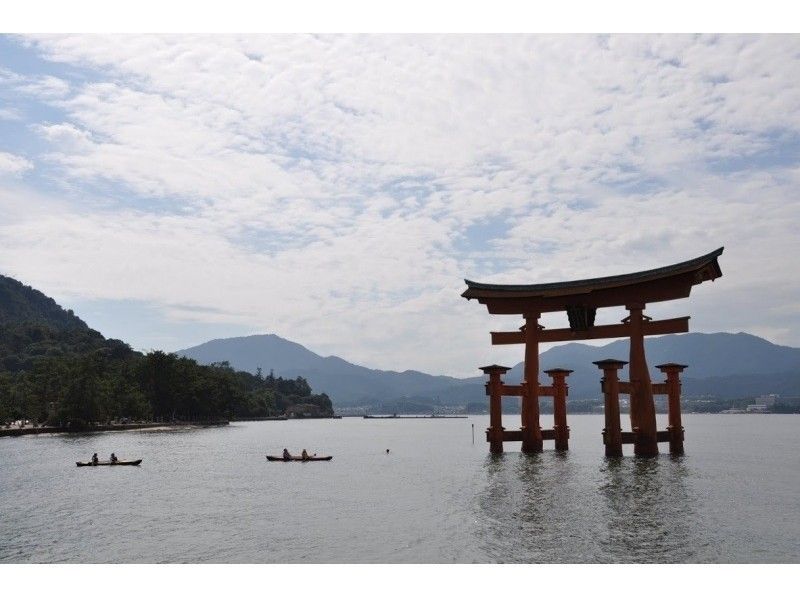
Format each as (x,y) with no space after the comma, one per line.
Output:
(673,372)
(494,390)
(560,390)
(612,434)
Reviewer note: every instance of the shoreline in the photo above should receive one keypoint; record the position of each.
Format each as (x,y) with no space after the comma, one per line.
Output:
(13,432)
(16,432)
(283,418)
(410,416)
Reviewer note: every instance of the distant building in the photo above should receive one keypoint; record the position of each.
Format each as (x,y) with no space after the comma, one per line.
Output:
(304,410)
(351,411)
(762,404)
(450,410)
(768,400)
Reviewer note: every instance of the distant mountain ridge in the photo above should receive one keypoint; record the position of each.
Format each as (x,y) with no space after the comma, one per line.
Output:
(724,364)
(728,365)
(342,380)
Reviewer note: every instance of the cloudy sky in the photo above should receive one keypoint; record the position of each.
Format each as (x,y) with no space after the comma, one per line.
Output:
(337,189)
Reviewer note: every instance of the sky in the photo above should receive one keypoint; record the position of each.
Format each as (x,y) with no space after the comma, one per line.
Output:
(336,190)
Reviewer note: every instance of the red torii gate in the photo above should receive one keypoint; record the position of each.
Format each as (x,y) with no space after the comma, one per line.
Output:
(581,299)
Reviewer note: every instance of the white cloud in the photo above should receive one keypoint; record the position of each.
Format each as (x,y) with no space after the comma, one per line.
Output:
(67,137)
(46,87)
(10,114)
(323,187)
(11,164)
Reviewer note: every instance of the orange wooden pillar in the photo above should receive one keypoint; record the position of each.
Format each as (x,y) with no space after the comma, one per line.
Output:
(675,428)
(643,409)
(560,390)
(494,389)
(531,430)
(612,434)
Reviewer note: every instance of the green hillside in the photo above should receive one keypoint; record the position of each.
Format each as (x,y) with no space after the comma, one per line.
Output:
(55,369)
(20,303)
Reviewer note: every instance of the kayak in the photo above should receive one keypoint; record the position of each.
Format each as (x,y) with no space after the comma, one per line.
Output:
(90,464)
(271,458)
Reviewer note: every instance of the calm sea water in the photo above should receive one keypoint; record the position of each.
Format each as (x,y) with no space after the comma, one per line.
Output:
(209,495)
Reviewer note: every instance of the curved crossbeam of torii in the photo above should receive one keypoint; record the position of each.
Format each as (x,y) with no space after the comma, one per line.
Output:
(581,299)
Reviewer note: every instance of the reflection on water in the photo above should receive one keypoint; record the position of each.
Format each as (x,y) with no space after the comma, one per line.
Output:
(550,507)
(528,510)
(515,503)
(536,499)
(650,512)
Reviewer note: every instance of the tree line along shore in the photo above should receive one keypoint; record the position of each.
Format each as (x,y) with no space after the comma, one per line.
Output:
(80,392)
(57,372)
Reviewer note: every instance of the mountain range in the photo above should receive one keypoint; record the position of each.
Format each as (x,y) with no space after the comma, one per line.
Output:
(344,382)
(724,365)
(721,365)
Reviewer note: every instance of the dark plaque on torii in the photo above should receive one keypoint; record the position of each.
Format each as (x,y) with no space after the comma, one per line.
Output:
(581,299)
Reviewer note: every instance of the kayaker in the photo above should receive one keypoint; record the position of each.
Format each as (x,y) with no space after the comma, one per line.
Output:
(305,455)
(113,458)
(94,459)
(286,454)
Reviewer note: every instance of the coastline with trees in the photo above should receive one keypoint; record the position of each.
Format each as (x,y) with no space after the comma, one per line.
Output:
(57,372)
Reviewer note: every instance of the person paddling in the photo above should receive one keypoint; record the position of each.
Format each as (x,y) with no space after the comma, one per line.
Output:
(94,459)
(114,458)
(286,455)
(305,455)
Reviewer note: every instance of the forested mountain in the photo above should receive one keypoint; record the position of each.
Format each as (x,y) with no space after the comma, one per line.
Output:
(20,303)
(54,368)
(33,327)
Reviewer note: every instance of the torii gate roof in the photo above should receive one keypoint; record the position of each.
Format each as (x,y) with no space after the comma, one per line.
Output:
(648,286)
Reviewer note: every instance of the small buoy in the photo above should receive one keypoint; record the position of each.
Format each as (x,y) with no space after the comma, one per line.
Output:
(387,451)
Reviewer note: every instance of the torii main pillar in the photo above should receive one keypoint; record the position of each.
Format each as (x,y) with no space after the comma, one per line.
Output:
(642,407)
(532,441)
